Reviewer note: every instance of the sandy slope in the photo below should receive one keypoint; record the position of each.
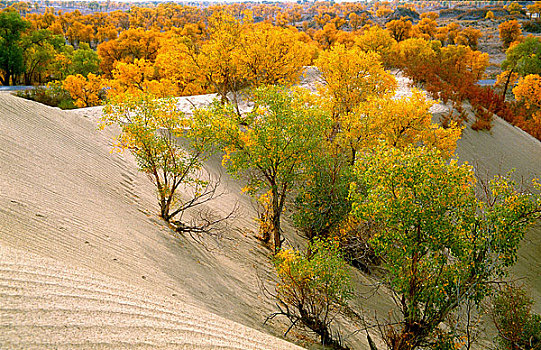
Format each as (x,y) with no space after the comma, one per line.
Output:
(83,263)
(499,151)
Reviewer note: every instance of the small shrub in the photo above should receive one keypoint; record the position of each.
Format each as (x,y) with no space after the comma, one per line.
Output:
(314,287)
(355,238)
(481,124)
(518,327)
(483,118)
(456,115)
(51,95)
(532,26)
(66,104)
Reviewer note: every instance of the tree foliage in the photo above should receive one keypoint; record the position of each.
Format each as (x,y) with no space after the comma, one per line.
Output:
(377,40)
(84,61)
(351,76)
(440,245)
(134,43)
(314,287)
(528,92)
(518,327)
(136,77)
(322,203)
(234,54)
(400,29)
(509,31)
(271,145)
(11,51)
(524,58)
(400,123)
(151,129)
(86,92)
(39,52)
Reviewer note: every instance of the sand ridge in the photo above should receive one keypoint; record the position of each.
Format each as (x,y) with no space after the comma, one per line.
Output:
(46,305)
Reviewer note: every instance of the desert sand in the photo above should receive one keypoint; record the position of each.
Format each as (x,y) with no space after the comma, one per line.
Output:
(86,263)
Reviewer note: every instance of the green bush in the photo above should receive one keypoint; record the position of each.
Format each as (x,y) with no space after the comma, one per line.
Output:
(322,202)
(51,95)
(532,26)
(518,327)
(314,287)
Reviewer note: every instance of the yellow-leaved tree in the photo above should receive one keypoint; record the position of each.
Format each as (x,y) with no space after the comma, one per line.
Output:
(139,76)
(236,54)
(400,29)
(273,55)
(400,123)
(378,40)
(528,91)
(218,59)
(131,44)
(509,32)
(351,76)
(178,61)
(85,92)
(211,64)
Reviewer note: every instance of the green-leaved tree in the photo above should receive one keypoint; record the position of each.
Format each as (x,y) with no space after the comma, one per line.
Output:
(11,52)
(152,130)
(440,245)
(270,146)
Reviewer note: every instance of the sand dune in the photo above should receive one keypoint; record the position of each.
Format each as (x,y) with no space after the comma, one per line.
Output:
(47,304)
(499,151)
(85,263)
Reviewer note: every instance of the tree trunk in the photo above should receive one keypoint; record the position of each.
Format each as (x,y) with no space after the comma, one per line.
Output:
(275,223)
(507,83)
(165,206)
(5,78)
(164,210)
(506,86)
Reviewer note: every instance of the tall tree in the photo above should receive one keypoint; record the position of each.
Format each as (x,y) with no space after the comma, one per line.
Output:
(40,49)
(352,76)
(441,246)
(11,52)
(131,44)
(271,145)
(528,92)
(85,61)
(523,58)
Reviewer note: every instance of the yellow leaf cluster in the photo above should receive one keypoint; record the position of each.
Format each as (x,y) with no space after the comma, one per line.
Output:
(351,77)
(139,77)
(84,91)
(528,91)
